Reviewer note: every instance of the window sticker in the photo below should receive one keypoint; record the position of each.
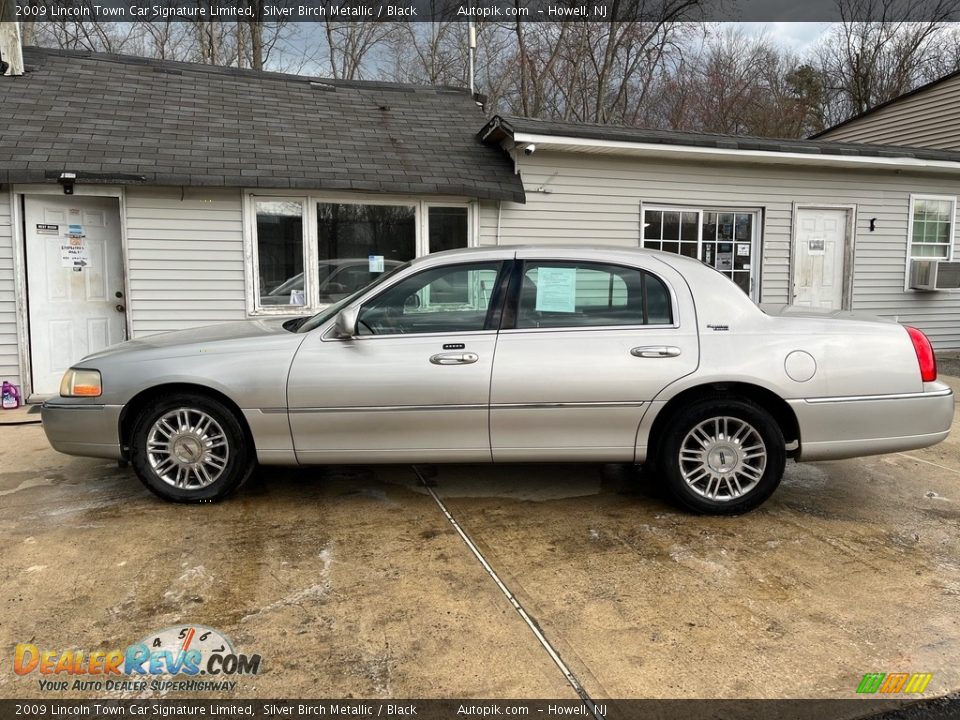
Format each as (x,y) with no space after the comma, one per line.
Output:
(743,249)
(376,263)
(556,289)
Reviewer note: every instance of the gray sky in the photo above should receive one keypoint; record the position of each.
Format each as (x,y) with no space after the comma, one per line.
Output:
(795,36)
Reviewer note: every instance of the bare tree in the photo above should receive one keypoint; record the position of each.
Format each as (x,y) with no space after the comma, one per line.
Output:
(351,45)
(868,63)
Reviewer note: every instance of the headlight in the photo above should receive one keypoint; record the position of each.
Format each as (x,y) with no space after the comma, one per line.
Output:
(81,383)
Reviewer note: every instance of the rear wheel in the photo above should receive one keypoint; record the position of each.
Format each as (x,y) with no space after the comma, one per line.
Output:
(190,448)
(722,456)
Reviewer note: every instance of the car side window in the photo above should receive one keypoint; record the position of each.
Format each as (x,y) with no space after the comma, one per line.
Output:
(454,298)
(581,294)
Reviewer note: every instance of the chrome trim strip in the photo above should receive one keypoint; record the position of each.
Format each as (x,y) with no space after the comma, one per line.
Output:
(68,406)
(386,408)
(478,406)
(544,405)
(859,398)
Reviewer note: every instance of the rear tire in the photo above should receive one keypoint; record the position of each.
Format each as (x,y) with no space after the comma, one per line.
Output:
(722,456)
(190,448)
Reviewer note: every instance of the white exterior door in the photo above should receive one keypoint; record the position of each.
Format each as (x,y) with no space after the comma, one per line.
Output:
(74,280)
(819,250)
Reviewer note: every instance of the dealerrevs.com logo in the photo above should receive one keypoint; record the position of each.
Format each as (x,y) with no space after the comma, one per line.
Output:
(206,656)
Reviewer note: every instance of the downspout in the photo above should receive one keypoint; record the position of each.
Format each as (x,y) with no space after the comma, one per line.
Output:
(499,208)
(471,50)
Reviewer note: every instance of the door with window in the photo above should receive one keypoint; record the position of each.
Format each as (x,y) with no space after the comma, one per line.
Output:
(75,282)
(415,379)
(591,344)
(819,254)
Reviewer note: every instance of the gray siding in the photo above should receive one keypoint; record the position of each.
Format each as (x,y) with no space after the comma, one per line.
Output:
(596,199)
(9,352)
(929,119)
(185,257)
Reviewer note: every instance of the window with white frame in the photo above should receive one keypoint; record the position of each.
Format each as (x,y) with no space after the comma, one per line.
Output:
(931,227)
(724,239)
(312,251)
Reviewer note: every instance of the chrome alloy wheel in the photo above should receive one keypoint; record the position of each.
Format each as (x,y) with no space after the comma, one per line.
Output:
(187,449)
(723,458)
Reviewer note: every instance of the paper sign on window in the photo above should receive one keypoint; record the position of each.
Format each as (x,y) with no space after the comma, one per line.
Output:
(556,289)
(376,263)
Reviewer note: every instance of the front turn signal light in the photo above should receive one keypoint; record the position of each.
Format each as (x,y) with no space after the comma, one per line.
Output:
(81,383)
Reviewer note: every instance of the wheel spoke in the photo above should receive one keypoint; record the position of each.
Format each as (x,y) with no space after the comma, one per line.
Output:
(722,458)
(187,448)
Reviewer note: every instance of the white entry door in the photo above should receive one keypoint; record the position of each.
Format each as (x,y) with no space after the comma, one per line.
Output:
(74,282)
(819,249)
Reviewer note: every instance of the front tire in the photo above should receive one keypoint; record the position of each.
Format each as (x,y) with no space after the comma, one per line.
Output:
(190,448)
(722,456)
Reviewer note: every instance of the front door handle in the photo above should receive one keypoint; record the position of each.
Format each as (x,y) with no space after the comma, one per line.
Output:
(454,358)
(655,351)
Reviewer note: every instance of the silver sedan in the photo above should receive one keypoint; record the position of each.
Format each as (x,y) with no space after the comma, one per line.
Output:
(522,354)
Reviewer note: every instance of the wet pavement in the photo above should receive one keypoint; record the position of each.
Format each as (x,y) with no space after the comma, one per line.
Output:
(351,582)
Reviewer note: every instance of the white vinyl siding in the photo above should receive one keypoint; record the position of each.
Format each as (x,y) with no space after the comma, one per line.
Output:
(594,198)
(9,350)
(929,119)
(185,258)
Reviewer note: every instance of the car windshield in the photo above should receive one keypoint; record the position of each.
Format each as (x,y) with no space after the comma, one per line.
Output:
(327,313)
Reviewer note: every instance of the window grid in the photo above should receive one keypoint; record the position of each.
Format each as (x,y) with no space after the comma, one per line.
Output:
(931,231)
(722,239)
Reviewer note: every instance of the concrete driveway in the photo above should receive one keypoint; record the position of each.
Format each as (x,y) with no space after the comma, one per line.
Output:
(353,582)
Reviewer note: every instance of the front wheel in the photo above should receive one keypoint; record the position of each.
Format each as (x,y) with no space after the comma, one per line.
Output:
(722,457)
(190,448)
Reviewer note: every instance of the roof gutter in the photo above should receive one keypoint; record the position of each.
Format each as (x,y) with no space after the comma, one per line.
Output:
(696,152)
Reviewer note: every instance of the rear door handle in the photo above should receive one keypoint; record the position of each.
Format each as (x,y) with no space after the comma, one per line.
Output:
(655,351)
(454,358)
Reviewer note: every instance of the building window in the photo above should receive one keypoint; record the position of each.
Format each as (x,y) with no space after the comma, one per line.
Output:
(722,239)
(310,252)
(356,243)
(931,231)
(280,251)
(447,228)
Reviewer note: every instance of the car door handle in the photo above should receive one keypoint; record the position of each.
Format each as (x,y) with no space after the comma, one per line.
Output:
(454,358)
(655,351)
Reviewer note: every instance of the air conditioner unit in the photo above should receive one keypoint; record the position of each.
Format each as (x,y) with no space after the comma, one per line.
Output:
(933,275)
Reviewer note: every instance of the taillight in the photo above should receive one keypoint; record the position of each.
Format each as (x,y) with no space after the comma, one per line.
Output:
(925,356)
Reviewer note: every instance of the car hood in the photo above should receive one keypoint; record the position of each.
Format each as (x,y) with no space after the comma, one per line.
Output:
(202,336)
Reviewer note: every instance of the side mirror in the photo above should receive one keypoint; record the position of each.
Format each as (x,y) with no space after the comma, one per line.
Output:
(346,322)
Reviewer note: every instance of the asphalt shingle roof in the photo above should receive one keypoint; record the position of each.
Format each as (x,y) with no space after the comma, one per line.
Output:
(120,119)
(502,126)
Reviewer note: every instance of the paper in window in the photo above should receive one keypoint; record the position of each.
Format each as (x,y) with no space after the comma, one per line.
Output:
(556,289)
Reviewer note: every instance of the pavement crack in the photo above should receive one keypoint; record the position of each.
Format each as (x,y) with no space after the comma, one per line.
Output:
(530,621)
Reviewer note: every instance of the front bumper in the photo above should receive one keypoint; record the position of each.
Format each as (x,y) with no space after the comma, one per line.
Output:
(845,427)
(81,429)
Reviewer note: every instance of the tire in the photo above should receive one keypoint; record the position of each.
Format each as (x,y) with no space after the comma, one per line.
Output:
(721,456)
(190,448)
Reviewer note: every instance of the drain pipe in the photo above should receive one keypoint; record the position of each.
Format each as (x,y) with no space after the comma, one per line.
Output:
(471,51)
